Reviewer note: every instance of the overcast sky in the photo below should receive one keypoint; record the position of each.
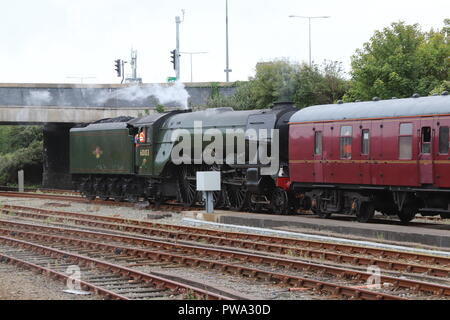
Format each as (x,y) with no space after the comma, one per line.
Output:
(50,40)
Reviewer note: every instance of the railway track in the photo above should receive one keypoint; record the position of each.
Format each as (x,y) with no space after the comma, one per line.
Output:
(145,256)
(207,258)
(295,247)
(175,207)
(40,190)
(104,278)
(388,260)
(164,207)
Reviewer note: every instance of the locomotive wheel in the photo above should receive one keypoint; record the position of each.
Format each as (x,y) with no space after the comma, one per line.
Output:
(445,215)
(188,188)
(280,202)
(118,199)
(88,190)
(218,199)
(407,214)
(218,196)
(366,212)
(117,191)
(103,193)
(237,197)
(255,207)
(133,198)
(90,196)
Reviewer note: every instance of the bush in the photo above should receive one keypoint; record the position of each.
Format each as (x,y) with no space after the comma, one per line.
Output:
(21,148)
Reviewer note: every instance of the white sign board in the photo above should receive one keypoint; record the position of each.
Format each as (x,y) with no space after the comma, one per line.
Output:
(208,181)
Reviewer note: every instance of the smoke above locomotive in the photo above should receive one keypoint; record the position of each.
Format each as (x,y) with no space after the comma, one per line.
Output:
(174,95)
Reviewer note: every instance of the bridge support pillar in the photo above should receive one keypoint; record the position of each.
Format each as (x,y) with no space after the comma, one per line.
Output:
(56,156)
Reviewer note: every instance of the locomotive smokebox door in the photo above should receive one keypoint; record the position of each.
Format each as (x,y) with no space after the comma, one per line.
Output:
(208,182)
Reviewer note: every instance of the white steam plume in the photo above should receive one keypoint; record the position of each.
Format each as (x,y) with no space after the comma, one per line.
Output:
(175,93)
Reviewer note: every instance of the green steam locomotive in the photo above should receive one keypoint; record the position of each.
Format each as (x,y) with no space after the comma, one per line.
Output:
(156,157)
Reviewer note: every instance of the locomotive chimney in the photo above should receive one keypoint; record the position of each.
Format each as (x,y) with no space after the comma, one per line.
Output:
(283,104)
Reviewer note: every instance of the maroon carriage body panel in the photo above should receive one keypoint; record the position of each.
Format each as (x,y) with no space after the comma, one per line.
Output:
(385,148)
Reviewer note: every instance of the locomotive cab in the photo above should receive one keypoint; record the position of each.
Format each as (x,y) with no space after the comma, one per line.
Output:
(146,129)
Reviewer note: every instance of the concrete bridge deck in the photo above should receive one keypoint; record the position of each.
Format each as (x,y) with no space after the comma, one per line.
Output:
(77,103)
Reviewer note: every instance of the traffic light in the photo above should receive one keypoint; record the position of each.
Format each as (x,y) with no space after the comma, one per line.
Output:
(174,59)
(118,67)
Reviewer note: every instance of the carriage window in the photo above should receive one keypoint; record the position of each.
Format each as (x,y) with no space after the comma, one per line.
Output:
(346,142)
(426,140)
(443,140)
(405,141)
(365,136)
(318,143)
(406,129)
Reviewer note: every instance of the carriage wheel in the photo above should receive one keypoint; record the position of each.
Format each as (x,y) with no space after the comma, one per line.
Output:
(320,209)
(323,215)
(407,214)
(366,212)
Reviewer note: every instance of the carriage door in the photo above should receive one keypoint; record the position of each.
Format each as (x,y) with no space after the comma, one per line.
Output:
(365,177)
(426,135)
(318,151)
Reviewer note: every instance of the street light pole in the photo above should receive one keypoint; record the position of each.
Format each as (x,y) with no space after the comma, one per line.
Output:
(177,53)
(178,21)
(192,53)
(227,70)
(309,20)
(310,61)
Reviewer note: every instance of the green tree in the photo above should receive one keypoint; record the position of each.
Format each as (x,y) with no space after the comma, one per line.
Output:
(274,80)
(281,81)
(20,148)
(399,61)
(444,86)
(323,84)
(242,99)
(21,158)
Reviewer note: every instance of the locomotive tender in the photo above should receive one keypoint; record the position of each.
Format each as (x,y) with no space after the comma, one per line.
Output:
(106,161)
(391,156)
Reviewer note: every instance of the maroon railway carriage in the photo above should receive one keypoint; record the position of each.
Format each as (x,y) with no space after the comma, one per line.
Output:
(391,156)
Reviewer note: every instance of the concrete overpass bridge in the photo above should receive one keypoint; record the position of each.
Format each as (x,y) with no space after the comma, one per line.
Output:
(78,103)
(58,107)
